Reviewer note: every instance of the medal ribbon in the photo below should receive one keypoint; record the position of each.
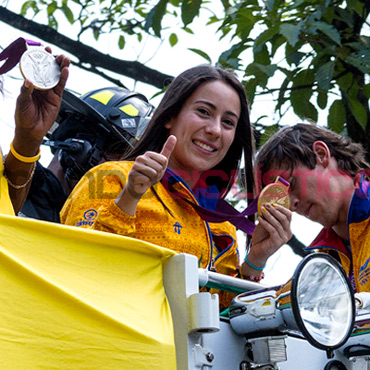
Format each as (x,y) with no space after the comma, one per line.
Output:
(224,211)
(12,53)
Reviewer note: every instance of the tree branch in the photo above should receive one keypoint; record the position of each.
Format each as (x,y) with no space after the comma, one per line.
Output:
(86,54)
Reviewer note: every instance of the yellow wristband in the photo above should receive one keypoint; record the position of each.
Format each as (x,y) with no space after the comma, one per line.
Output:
(22,158)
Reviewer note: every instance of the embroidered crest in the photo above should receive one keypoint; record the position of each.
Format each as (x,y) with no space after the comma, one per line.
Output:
(89,217)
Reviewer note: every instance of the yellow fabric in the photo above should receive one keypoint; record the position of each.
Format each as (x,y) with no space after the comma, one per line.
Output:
(91,205)
(5,203)
(360,243)
(80,299)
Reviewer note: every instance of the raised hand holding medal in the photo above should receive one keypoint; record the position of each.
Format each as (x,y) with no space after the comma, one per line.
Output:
(40,67)
(36,64)
(36,109)
(41,94)
(274,193)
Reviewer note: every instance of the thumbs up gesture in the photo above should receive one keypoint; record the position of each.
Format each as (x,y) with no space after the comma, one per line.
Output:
(147,170)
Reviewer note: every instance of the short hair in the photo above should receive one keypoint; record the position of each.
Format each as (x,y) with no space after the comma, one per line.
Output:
(180,89)
(293,145)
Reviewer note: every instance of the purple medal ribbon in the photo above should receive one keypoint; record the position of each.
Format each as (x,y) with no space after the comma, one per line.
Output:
(224,211)
(362,187)
(12,53)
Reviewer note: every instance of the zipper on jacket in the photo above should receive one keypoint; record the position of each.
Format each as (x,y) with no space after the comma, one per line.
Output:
(212,266)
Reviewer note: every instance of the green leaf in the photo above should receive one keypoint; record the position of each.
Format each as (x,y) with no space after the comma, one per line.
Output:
(201,53)
(290,32)
(27,5)
(154,18)
(276,42)
(96,33)
(322,99)
(361,60)
(245,22)
(260,72)
(301,94)
(329,31)
(190,9)
(304,110)
(358,111)
(324,75)
(233,52)
(262,56)
(188,30)
(345,16)
(161,92)
(281,97)
(268,70)
(212,20)
(68,13)
(121,42)
(173,39)
(250,89)
(293,56)
(232,63)
(264,37)
(357,6)
(52,7)
(268,132)
(366,90)
(337,116)
(345,81)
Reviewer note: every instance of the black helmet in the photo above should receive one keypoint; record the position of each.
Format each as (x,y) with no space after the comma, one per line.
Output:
(127,111)
(103,121)
(114,110)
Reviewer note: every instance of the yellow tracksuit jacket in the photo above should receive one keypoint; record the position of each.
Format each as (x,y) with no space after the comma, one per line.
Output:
(91,205)
(355,255)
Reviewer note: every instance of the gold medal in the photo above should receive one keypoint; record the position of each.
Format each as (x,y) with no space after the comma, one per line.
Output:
(275,193)
(40,67)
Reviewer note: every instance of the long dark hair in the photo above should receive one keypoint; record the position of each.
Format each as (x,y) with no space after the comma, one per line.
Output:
(180,89)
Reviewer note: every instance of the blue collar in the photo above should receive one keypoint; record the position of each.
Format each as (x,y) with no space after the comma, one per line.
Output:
(206,197)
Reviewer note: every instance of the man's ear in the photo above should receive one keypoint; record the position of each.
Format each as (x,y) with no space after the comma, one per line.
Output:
(322,153)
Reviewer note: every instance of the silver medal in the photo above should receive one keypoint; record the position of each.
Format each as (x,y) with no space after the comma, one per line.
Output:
(40,67)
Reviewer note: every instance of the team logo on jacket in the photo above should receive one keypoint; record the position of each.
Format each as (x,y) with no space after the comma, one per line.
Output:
(177,227)
(364,272)
(89,217)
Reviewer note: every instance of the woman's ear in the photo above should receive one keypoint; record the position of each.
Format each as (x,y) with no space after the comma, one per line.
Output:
(168,125)
(322,153)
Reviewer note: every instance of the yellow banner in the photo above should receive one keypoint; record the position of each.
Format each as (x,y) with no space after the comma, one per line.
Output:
(81,300)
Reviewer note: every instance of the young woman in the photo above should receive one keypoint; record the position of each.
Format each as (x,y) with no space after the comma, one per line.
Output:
(189,156)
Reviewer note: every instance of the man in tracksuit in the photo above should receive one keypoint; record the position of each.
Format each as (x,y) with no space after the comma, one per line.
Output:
(328,175)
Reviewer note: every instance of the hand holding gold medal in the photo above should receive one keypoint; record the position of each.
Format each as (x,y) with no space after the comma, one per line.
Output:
(274,193)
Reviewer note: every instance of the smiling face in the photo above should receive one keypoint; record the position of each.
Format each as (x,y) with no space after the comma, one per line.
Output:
(205,129)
